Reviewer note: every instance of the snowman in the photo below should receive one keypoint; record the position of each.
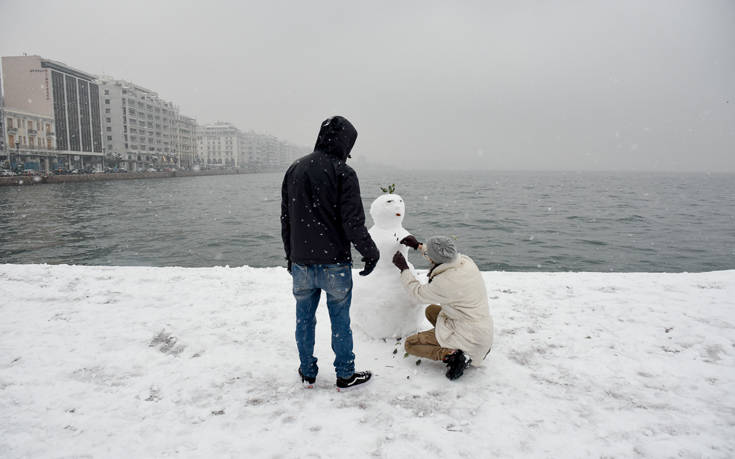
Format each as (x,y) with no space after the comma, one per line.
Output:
(383,307)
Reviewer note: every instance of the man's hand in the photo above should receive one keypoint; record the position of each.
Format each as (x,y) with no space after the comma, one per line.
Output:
(400,261)
(369,265)
(410,241)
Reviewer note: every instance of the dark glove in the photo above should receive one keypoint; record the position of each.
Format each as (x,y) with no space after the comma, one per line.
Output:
(410,241)
(400,261)
(288,266)
(369,265)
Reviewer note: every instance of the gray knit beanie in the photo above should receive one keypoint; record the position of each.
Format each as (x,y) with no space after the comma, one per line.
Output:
(441,249)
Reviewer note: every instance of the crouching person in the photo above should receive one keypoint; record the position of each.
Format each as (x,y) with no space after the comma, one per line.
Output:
(458,306)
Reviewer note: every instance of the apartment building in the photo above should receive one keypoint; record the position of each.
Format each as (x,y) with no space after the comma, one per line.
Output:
(3,153)
(140,128)
(268,153)
(51,116)
(219,145)
(222,145)
(186,141)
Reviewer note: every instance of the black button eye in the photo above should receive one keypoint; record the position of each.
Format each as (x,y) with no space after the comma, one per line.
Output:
(389,201)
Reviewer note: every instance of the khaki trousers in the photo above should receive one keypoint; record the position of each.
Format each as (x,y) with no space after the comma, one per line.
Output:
(424,344)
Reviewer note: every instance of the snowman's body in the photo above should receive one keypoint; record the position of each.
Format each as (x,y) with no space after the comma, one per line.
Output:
(382,307)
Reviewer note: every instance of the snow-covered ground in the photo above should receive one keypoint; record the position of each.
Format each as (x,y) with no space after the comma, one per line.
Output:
(155,362)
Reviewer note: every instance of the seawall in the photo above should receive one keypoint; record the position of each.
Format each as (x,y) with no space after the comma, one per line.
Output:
(41,179)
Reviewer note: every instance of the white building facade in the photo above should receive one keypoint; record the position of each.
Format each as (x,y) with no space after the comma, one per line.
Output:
(186,141)
(223,145)
(219,145)
(140,128)
(51,115)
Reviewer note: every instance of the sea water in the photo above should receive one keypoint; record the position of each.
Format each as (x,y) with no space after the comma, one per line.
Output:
(513,221)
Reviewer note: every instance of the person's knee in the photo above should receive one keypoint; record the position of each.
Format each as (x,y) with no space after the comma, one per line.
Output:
(305,320)
(432,312)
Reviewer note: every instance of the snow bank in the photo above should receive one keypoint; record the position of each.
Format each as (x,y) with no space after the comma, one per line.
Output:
(153,362)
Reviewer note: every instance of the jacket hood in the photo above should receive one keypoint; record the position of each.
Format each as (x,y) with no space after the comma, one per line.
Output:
(336,137)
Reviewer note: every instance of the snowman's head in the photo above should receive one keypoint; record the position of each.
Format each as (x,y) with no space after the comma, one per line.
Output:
(388,211)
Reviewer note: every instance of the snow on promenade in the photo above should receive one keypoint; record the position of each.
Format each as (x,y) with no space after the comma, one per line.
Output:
(156,362)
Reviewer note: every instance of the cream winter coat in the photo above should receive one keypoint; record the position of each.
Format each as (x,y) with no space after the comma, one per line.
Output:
(464,321)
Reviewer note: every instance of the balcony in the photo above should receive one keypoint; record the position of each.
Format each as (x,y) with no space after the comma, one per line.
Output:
(25,149)
(12,130)
(32,132)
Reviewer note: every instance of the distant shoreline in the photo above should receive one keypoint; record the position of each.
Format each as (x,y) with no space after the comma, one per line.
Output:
(25,180)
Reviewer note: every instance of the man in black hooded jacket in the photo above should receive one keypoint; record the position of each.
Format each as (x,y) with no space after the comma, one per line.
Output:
(321,214)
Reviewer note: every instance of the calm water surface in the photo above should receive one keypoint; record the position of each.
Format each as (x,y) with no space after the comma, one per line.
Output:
(505,221)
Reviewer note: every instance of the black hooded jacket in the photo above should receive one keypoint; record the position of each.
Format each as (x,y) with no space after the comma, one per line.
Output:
(321,207)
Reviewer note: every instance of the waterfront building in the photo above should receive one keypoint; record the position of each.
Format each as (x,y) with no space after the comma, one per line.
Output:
(273,154)
(140,128)
(222,145)
(51,115)
(255,149)
(3,152)
(186,142)
(219,145)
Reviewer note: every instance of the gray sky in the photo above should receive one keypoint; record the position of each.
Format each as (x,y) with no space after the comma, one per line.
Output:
(608,85)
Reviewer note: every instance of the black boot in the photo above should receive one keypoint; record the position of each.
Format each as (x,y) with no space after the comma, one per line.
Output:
(356,379)
(456,364)
(307,382)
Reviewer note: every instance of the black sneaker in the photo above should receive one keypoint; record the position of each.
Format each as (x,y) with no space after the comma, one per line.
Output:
(356,379)
(456,364)
(307,382)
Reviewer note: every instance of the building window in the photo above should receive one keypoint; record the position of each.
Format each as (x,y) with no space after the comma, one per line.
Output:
(108,120)
(107,101)
(72,113)
(107,92)
(109,137)
(107,110)
(108,129)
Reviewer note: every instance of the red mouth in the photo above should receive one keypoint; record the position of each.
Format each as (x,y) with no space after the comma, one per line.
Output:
(398,215)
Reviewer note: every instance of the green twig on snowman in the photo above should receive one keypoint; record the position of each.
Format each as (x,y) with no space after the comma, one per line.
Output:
(390,189)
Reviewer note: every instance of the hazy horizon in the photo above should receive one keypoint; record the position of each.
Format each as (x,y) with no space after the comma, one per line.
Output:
(611,86)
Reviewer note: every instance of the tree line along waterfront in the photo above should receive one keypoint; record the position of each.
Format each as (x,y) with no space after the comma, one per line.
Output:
(58,120)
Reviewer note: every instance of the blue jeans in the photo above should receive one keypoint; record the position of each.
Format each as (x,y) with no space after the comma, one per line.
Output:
(308,283)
